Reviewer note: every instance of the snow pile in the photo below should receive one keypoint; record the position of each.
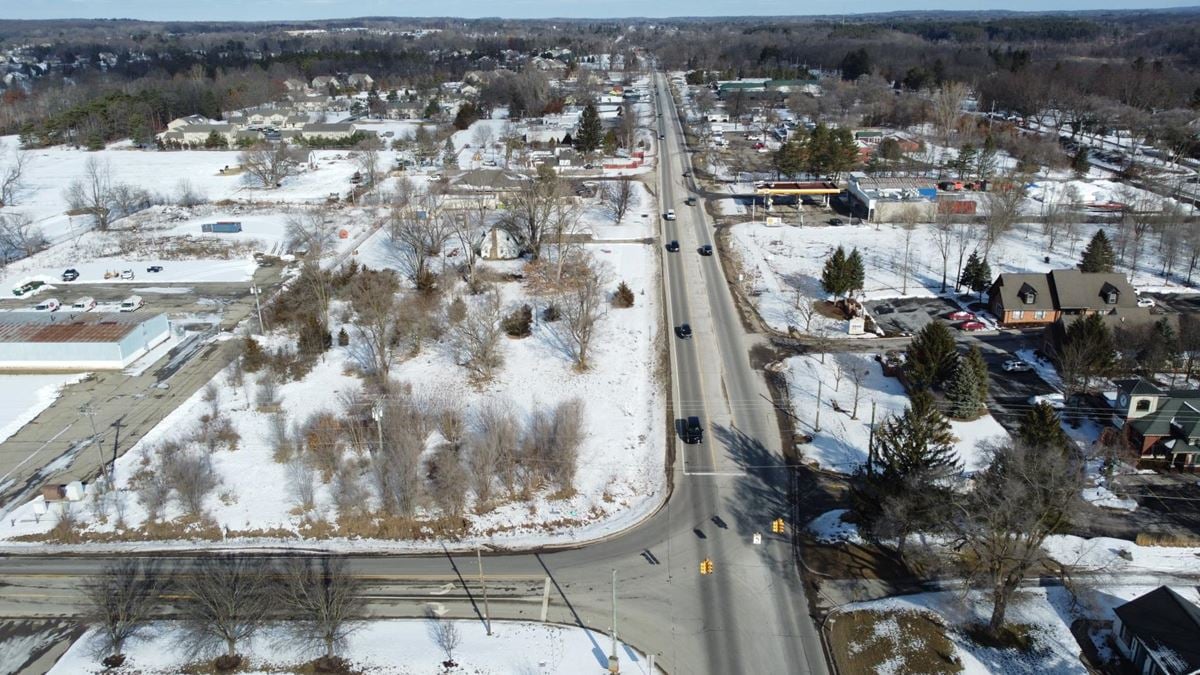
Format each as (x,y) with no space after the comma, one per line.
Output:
(841,444)
(1120,557)
(830,528)
(24,397)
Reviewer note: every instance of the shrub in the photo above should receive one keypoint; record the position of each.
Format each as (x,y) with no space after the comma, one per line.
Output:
(253,358)
(550,313)
(518,323)
(623,297)
(343,338)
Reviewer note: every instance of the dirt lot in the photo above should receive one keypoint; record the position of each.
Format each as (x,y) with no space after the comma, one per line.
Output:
(903,642)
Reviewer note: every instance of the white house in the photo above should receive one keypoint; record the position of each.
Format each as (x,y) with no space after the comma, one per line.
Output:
(333,131)
(360,81)
(322,82)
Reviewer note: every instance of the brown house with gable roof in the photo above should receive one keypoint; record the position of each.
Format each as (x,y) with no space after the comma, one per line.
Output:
(1039,299)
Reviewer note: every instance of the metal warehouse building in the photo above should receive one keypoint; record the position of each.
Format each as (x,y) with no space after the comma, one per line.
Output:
(77,341)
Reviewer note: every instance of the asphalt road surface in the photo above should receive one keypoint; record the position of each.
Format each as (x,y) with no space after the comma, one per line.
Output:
(749,616)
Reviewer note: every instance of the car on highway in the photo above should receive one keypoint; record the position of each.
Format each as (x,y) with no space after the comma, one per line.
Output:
(48,305)
(1056,401)
(693,431)
(1016,366)
(661,137)
(673,246)
(154,269)
(28,287)
(960,315)
(706,249)
(971,326)
(70,274)
(687,174)
(690,201)
(1145,302)
(684,331)
(670,214)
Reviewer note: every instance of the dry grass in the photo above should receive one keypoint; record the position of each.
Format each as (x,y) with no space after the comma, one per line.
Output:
(1165,539)
(899,642)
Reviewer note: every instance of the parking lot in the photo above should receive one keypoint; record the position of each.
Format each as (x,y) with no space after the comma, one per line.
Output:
(906,316)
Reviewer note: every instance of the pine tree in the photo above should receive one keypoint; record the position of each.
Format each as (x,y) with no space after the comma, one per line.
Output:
(918,441)
(969,270)
(976,274)
(1099,255)
(591,132)
(974,358)
(856,274)
(962,393)
(931,356)
(1079,162)
(985,161)
(833,276)
(1041,428)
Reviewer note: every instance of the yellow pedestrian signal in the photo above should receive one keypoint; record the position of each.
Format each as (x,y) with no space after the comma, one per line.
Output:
(706,566)
(777,526)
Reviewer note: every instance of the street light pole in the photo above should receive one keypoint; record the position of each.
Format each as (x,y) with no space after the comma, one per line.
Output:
(487,613)
(614,665)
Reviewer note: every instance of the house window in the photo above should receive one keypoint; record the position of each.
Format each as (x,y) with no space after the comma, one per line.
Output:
(1029,298)
(1111,298)
(1018,314)
(1040,314)
(1143,405)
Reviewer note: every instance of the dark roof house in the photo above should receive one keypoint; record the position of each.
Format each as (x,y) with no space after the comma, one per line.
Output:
(1160,633)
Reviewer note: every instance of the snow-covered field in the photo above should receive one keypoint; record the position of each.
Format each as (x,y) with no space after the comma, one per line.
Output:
(620,476)
(24,397)
(841,444)
(391,647)
(779,260)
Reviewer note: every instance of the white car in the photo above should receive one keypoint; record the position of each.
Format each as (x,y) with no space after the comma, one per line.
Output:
(670,214)
(1016,366)
(48,305)
(1145,302)
(127,274)
(1055,401)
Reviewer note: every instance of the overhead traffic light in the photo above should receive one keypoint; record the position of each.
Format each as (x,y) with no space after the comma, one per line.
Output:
(777,526)
(706,566)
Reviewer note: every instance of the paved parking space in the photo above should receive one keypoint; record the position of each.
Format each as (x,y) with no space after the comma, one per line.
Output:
(1167,502)
(901,316)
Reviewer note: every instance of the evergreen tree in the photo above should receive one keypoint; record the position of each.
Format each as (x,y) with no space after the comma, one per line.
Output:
(962,393)
(591,132)
(1079,162)
(976,274)
(833,276)
(432,110)
(1099,255)
(1088,351)
(1042,429)
(964,163)
(918,441)
(856,64)
(856,273)
(610,142)
(931,356)
(985,161)
(974,358)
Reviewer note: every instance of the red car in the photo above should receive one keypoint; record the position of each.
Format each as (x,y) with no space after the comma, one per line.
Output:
(971,325)
(961,315)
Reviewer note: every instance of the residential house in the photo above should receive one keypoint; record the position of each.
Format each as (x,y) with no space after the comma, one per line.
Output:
(323,82)
(360,81)
(332,131)
(1160,633)
(1037,299)
(1161,426)
(294,122)
(197,134)
(293,84)
(190,120)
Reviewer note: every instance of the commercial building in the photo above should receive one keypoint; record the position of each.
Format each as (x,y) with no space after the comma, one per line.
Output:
(77,340)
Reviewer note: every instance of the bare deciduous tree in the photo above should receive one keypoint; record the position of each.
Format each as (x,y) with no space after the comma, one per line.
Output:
(119,601)
(947,107)
(448,480)
(192,478)
(91,193)
(581,305)
(552,440)
(1024,496)
(12,177)
(1005,201)
(18,234)
(267,164)
(310,230)
(302,483)
(418,233)
(477,338)
(531,209)
(373,297)
(324,602)
(617,195)
(493,443)
(226,599)
(943,238)
(366,161)
(468,225)
(445,634)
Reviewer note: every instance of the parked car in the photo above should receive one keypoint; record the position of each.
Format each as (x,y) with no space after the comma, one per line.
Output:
(693,431)
(28,287)
(706,249)
(70,274)
(48,305)
(684,331)
(1016,366)
(836,222)
(154,269)
(690,201)
(1056,401)
(132,304)
(1145,302)
(127,274)
(972,326)
(960,315)
(84,304)
(670,214)
(673,246)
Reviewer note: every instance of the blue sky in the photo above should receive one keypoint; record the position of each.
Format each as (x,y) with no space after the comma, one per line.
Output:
(255,10)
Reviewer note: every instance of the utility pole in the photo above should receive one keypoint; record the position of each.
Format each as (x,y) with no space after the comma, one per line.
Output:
(487,614)
(817,425)
(614,666)
(377,415)
(91,414)
(871,441)
(256,291)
